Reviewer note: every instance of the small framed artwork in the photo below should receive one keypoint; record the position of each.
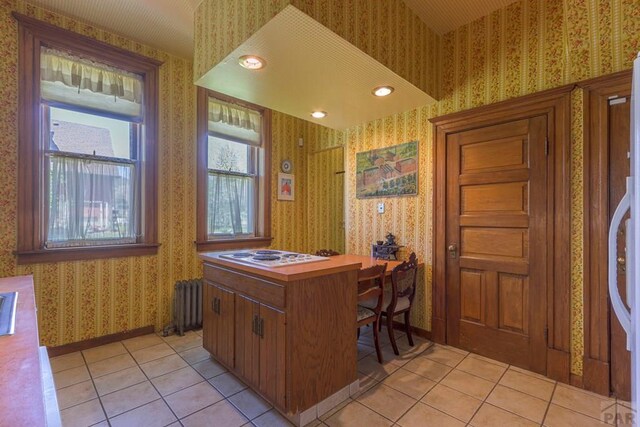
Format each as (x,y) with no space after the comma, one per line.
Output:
(286,185)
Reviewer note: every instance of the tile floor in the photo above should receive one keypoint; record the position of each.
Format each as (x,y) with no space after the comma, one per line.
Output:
(156,381)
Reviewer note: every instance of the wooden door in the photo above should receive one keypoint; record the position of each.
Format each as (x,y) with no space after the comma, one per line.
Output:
(496,235)
(272,354)
(619,169)
(247,341)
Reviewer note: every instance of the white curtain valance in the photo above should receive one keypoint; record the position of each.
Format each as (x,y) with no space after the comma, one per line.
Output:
(77,81)
(235,121)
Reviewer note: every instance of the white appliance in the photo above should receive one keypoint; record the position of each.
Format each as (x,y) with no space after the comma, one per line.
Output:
(270,258)
(630,320)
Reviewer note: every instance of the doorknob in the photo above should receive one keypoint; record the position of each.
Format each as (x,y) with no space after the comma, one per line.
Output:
(453,250)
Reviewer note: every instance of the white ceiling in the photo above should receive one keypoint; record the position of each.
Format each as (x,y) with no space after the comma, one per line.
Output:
(309,67)
(443,16)
(164,24)
(168,24)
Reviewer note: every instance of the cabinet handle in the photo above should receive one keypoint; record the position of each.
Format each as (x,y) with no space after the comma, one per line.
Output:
(218,305)
(261,328)
(213,304)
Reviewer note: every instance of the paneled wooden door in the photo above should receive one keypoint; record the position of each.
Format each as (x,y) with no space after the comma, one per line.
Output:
(496,233)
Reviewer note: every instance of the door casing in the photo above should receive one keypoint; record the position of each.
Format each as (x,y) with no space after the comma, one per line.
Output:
(555,104)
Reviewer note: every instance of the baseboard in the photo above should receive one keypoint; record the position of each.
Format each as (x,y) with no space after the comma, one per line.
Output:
(422,333)
(98,341)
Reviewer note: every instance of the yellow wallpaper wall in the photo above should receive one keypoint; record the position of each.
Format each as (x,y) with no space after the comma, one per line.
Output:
(387,30)
(80,300)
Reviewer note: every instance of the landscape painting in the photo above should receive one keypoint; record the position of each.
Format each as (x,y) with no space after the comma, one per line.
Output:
(387,172)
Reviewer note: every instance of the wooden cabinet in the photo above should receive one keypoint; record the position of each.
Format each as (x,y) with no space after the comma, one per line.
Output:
(288,346)
(218,320)
(260,347)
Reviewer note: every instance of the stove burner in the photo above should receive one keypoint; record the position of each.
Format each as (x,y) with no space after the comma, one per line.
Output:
(241,255)
(267,252)
(289,255)
(266,257)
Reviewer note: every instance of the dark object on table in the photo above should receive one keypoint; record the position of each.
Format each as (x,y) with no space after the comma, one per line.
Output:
(391,239)
(379,242)
(385,251)
(327,253)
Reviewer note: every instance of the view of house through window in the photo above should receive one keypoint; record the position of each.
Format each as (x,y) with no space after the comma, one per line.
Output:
(233,145)
(91,178)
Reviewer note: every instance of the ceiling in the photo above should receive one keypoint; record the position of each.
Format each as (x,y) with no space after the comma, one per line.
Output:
(443,16)
(164,24)
(168,24)
(309,67)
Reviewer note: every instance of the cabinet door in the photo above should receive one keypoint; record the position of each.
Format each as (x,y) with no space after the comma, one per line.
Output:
(272,355)
(247,339)
(208,318)
(224,328)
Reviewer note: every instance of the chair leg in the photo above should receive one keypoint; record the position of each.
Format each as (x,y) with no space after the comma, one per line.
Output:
(379,324)
(392,336)
(407,325)
(376,339)
(358,333)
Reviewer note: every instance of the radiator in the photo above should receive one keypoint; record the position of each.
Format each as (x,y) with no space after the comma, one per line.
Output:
(187,306)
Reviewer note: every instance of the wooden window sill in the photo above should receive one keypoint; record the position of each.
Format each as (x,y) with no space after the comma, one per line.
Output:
(86,253)
(221,245)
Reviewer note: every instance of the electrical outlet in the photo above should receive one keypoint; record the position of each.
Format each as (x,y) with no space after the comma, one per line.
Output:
(380,208)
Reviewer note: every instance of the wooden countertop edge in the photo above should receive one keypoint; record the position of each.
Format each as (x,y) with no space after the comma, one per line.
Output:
(21,392)
(289,273)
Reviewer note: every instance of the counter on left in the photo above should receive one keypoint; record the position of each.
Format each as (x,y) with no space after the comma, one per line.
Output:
(22,394)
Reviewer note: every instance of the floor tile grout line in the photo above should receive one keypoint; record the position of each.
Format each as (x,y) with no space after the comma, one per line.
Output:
(546,412)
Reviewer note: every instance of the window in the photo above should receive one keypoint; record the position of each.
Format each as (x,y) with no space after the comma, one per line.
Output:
(87,149)
(233,175)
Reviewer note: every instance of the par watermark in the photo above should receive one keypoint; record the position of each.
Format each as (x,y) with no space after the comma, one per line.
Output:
(618,414)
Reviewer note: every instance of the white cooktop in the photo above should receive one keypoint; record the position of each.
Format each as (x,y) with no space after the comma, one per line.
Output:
(270,257)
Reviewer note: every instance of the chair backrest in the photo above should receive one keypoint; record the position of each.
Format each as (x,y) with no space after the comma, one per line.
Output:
(403,280)
(371,284)
(327,252)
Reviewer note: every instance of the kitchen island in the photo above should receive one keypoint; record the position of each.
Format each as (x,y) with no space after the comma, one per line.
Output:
(289,331)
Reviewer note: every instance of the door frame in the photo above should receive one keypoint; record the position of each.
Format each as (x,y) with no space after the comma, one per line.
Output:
(597,312)
(555,104)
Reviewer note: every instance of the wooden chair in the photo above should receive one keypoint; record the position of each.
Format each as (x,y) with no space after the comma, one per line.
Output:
(400,298)
(327,252)
(371,288)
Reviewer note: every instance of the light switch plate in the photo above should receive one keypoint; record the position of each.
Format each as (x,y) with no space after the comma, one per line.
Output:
(380,208)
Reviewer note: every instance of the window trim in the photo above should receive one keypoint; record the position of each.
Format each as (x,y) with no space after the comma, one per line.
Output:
(32,35)
(263,235)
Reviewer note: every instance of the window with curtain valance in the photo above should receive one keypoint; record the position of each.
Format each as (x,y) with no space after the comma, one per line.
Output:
(87,148)
(233,184)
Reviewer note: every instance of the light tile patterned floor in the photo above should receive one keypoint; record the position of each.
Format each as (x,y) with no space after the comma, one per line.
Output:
(156,381)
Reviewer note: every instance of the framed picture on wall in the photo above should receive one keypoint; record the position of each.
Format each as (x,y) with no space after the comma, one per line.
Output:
(286,185)
(387,172)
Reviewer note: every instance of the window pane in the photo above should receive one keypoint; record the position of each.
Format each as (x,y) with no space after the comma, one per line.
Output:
(227,155)
(230,204)
(82,133)
(90,201)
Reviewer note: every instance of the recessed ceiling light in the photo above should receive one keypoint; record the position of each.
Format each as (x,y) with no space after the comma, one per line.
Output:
(319,114)
(382,91)
(252,62)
